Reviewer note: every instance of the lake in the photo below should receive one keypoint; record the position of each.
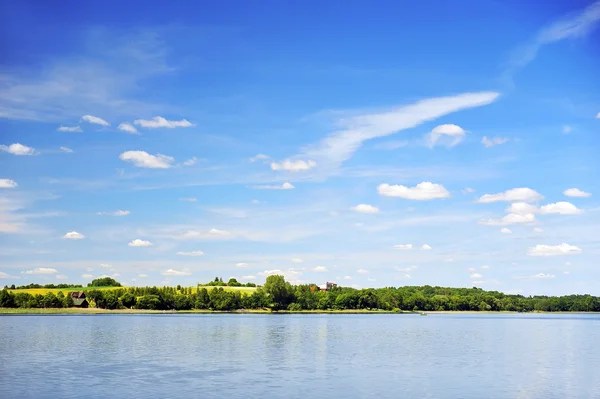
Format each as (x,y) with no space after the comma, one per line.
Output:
(300,356)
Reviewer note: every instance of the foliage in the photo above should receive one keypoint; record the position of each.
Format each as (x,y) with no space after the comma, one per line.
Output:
(104,282)
(277,294)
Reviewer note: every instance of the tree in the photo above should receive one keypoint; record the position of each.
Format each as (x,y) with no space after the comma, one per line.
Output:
(234,283)
(7,299)
(128,300)
(104,282)
(279,291)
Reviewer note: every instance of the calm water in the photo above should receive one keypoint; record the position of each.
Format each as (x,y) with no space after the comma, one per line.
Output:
(300,356)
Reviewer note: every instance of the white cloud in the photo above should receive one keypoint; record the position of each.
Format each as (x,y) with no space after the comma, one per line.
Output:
(426,247)
(87,276)
(18,149)
(560,208)
(537,276)
(493,141)
(140,243)
(339,146)
(95,120)
(284,186)
(403,246)
(319,269)
(476,275)
(296,260)
(293,166)
(598,115)
(454,133)
(41,270)
(190,253)
(144,160)
(115,213)
(159,121)
(212,233)
(188,199)
(505,230)
(72,129)
(259,157)
(467,190)
(61,277)
(173,272)
(575,192)
(522,208)
(522,194)
(106,265)
(73,235)
(128,128)
(538,230)
(511,218)
(566,272)
(371,279)
(554,250)
(8,183)
(142,275)
(241,264)
(191,161)
(248,278)
(421,192)
(365,208)
(347,277)
(66,149)
(362,271)
(472,269)
(567,129)
(485,267)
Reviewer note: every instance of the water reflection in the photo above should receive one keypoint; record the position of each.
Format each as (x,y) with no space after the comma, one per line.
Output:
(292,356)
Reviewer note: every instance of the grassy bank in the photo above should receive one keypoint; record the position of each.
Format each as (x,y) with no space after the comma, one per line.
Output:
(24,311)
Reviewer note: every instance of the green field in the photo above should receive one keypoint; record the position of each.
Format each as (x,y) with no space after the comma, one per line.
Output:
(42,291)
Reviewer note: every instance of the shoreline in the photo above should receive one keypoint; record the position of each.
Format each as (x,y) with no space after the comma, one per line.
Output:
(97,311)
(94,311)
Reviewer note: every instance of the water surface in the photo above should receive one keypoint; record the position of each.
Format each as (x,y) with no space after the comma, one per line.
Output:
(300,356)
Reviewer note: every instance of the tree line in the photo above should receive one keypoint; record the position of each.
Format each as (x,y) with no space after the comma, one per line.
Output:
(277,294)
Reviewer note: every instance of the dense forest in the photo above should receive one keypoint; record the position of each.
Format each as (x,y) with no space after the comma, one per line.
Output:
(277,294)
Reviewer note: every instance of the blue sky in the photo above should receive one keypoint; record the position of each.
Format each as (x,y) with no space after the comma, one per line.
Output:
(371,144)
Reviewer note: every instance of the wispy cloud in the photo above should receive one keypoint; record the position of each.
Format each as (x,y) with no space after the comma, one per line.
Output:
(95,120)
(127,127)
(494,141)
(114,213)
(572,26)
(103,76)
(160,122)
(72,129)
(340,145)
(284,186)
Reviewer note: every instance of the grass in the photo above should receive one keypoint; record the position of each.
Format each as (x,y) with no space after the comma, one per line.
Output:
(247,290)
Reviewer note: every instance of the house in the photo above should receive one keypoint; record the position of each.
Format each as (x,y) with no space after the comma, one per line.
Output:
(79,299)
(327,286)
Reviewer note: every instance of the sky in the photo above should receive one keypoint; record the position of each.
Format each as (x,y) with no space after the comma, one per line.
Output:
(370,144)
